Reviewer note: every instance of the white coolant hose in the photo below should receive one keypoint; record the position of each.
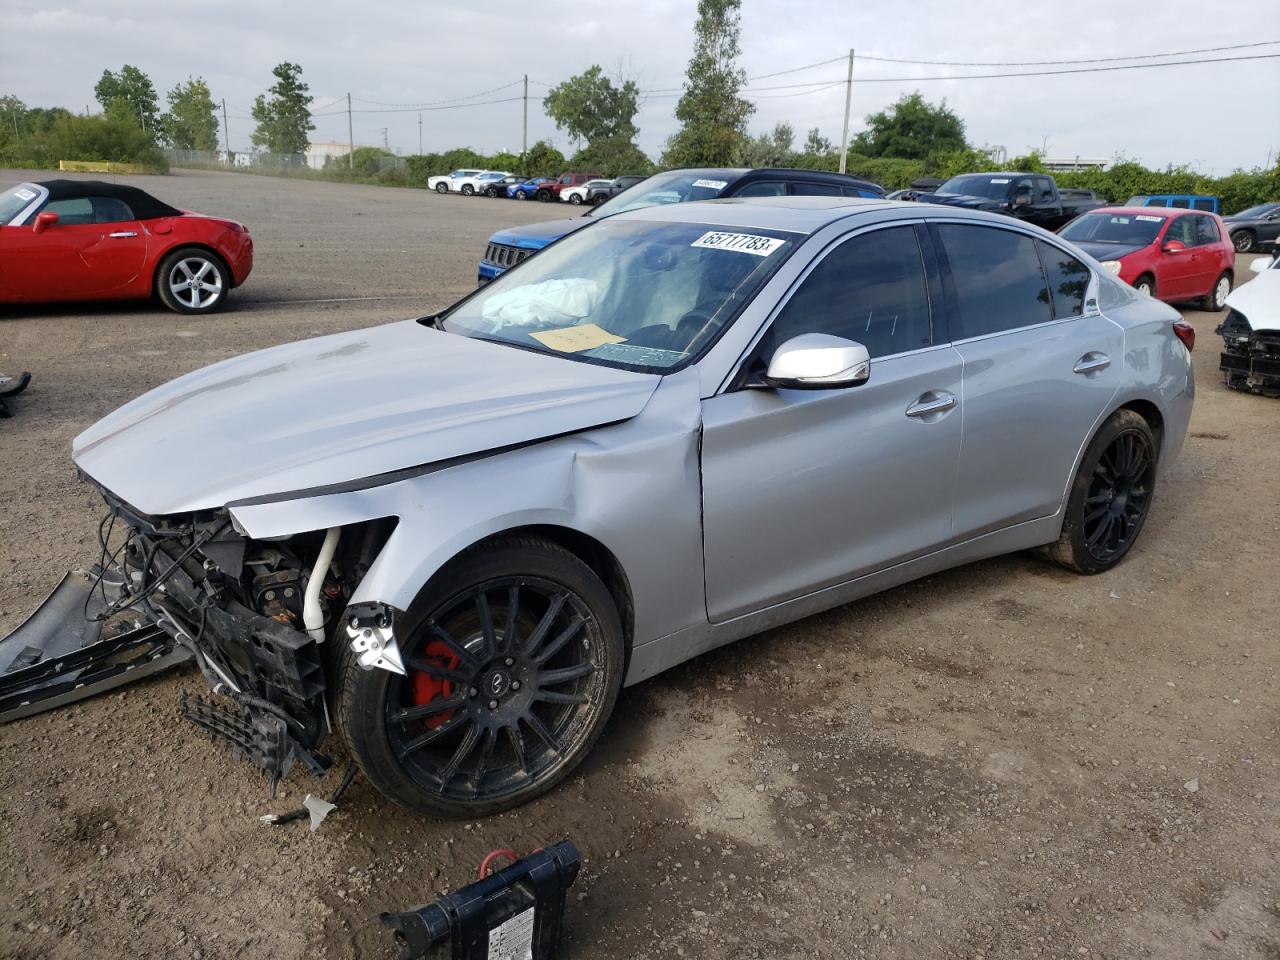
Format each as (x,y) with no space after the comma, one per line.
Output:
(312,615)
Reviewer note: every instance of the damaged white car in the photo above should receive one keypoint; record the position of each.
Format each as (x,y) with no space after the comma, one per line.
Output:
(454,539)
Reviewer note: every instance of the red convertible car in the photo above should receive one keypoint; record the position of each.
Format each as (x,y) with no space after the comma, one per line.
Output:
(89,240)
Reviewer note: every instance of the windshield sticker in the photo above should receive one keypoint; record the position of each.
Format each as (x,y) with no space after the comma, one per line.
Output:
(1120,220)
(23,193)
(711,184)
(1146,219)
(637,355)
(738,243)
(1000,180)
(586,336)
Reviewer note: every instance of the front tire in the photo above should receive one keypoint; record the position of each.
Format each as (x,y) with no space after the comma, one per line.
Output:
(514,654)
(1243,240)
(544,195)
(521,195)
(1216,298)
(442,188)
(575,199)
(192,280)
(1110,496)
(491,193)
(1145,284)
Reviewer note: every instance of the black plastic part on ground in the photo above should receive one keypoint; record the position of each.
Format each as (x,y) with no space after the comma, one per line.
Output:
(11,388)
(517,912)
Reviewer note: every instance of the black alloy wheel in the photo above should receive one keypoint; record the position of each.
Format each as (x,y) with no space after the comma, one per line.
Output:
(509,681)
(1242,240)
(1110,496)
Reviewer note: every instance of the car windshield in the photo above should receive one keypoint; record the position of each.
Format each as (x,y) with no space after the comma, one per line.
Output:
(632,294)
(991,188)
(678,186)
(1261,210)
(14,200)
(1131,229)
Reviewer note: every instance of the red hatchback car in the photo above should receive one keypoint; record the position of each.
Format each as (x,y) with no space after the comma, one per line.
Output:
(1171,254)
(89,240)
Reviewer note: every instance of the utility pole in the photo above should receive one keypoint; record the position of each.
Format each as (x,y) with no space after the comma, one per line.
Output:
(419,134)
(226,130)
(384,139)
(848,102)
(524,140)
(351,140)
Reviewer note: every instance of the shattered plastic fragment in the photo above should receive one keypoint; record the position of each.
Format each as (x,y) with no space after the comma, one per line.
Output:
(319,808)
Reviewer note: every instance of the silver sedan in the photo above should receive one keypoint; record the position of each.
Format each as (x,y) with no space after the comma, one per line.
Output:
(455,538)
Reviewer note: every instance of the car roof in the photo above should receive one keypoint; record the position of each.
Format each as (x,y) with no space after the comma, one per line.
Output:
(143,205)
(1149,211)
(794,214)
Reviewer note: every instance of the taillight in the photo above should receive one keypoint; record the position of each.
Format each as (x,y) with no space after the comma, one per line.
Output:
(1186,333)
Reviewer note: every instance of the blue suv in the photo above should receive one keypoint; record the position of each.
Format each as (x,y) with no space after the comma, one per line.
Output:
(508,247)
(1182,201)
(526,190)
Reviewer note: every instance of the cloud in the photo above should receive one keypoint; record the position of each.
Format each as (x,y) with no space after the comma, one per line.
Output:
(1215,117)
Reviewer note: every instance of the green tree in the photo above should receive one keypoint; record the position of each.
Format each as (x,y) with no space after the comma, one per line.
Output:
(767,149)
(912,128)
(816,144)
(712,114)
(589,107)
(544,160)
(192,121)
(129,95)
(612,157)
(102,137)
(284,112)
(12,114)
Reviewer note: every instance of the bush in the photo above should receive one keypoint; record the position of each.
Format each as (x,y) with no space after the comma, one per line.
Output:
(72,137)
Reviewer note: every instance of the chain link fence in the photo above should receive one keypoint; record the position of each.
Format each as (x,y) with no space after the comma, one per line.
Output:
(366,163)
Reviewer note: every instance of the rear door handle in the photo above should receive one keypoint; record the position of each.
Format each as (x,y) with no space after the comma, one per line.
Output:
(1092,362)
(938,401)
(121,234)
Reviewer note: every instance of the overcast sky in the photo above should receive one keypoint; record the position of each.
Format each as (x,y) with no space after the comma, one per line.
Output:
(1214,117)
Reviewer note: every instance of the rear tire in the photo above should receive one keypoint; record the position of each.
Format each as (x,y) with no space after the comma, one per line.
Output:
(192,280)
(1216,298)
(1243,240)
(1145,284)
(506,753)
(1110,496)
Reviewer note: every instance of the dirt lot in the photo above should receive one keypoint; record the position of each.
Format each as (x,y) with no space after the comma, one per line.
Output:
(1002,761)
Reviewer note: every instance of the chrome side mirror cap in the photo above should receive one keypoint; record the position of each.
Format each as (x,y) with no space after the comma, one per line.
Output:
(818,361)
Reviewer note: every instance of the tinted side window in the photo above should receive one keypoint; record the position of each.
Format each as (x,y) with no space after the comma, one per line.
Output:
(1044,190)
(1157,202)
(870,289)
(110,210)
(1204,203)
(1068,280)
(815,190)
(998,281)
(1180,202)
(1206,231)
(763,188)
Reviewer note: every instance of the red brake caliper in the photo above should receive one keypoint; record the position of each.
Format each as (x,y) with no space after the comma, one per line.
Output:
(426,687)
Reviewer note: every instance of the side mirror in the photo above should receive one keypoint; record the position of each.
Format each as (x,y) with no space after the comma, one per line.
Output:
(818,361)
(1173,246)
(44,221)
(1262,264)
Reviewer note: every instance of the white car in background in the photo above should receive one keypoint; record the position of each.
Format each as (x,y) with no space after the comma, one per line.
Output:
(580,193)
(455,181)
(1251,332)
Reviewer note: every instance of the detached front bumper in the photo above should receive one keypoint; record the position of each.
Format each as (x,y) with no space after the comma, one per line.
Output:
(1250,359)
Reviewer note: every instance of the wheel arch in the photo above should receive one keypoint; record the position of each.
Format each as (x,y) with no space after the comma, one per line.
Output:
(187,245)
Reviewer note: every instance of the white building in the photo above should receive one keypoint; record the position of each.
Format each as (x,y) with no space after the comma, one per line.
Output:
(319,151)
(1068,164)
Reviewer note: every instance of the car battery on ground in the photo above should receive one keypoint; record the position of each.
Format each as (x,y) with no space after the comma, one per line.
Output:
(514,914)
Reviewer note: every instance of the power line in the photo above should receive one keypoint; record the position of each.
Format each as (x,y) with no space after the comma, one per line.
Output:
(424,109)
(432,103)
(1052,63)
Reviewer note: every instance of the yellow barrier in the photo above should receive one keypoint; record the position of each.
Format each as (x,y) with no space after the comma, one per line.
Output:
(102,166)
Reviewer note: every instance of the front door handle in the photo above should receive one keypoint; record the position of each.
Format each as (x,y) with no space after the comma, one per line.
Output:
(1092,362)
(121,234)
(938,401)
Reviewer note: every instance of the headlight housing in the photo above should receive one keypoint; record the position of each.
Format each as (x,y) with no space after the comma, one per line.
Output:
(1112,267)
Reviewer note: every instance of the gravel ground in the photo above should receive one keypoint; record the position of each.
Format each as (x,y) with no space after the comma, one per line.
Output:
(1001,761)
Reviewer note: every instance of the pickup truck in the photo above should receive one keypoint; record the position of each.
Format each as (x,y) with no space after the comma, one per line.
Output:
(1033,197)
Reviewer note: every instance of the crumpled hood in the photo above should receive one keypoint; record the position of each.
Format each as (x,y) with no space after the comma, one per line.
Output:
(1108,251)
(535,236)
(1259,301)
(342,408)
(960,200)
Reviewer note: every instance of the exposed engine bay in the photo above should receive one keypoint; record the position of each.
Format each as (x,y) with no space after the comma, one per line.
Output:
(1250,358)
(255,617)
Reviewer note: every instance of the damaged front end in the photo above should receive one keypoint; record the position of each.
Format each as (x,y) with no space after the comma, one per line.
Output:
(1250,358)
(256,617)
